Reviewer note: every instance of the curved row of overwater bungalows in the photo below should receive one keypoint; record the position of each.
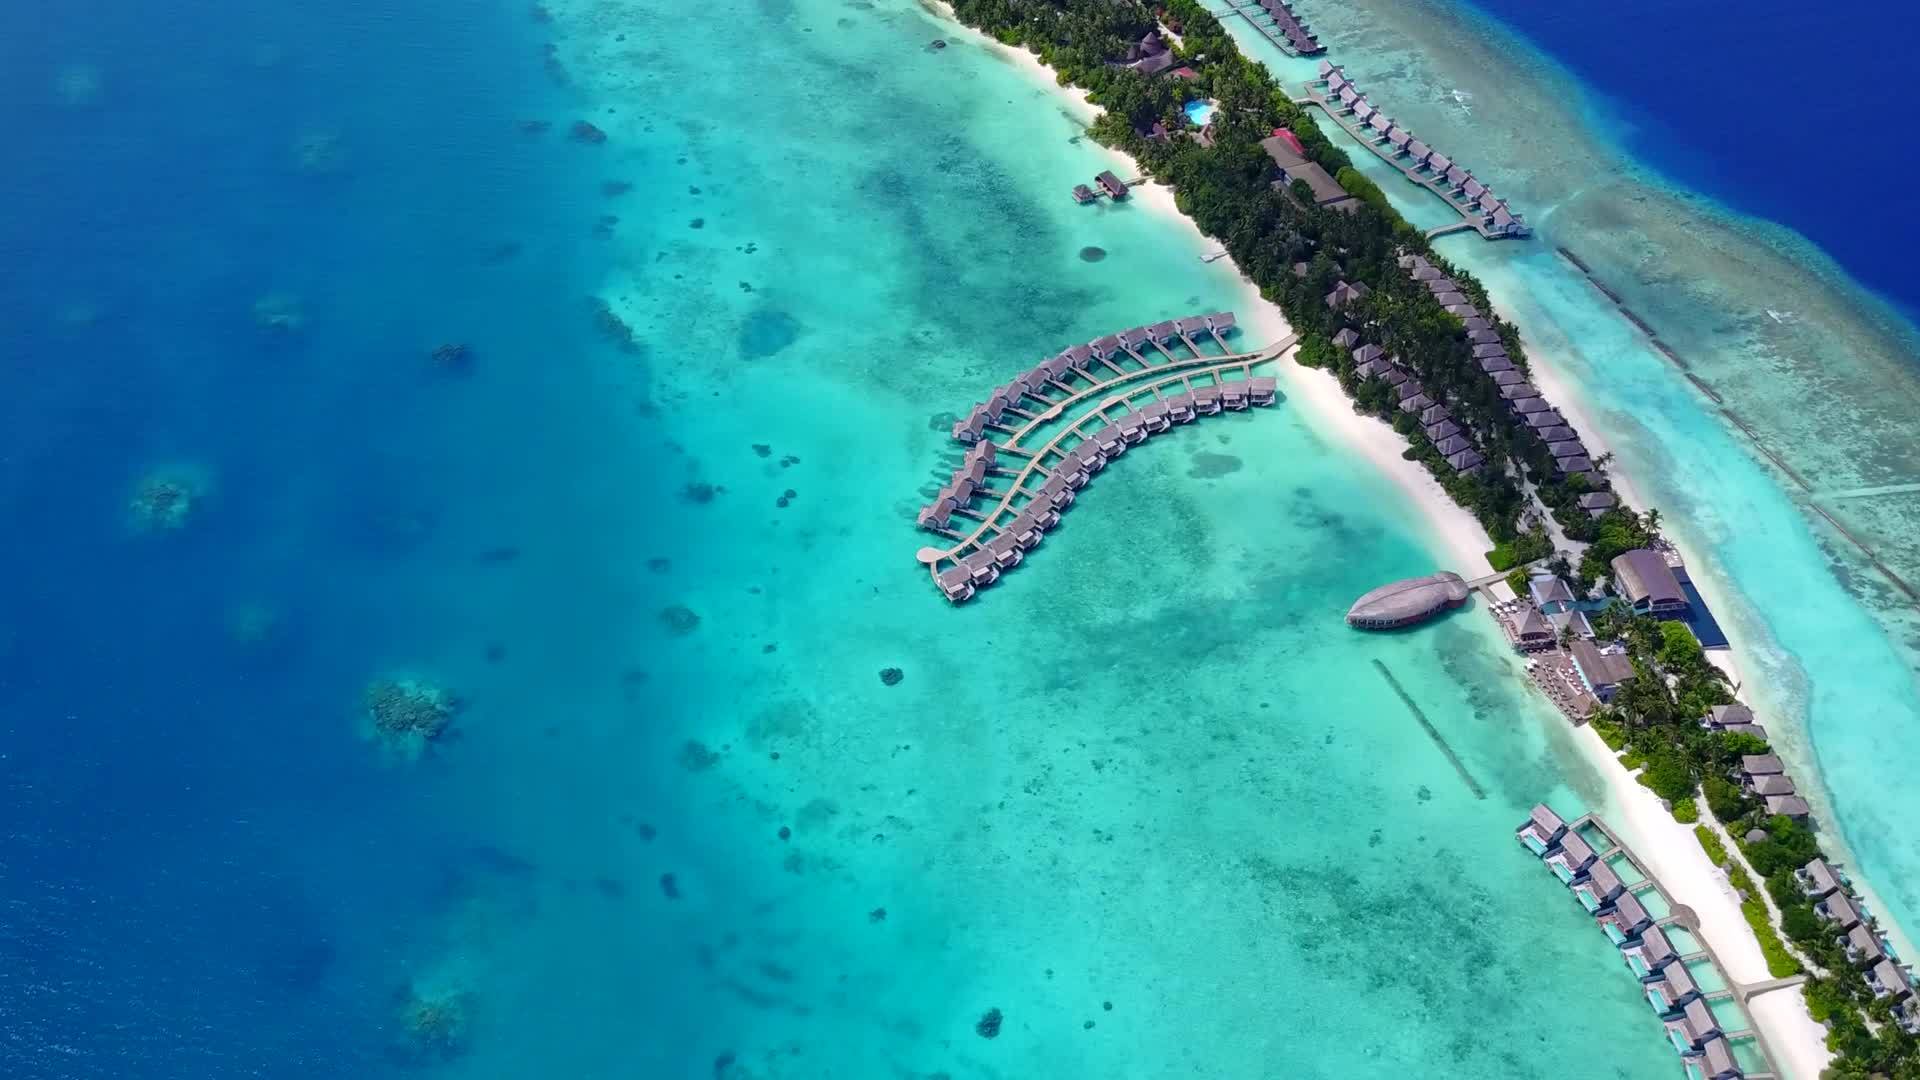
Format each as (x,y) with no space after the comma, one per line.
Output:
(1144,345)
(1468,195)
(1018,529)
(1666,982)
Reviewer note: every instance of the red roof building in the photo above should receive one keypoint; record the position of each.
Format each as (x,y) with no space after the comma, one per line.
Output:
(1185,73)
(1291,140)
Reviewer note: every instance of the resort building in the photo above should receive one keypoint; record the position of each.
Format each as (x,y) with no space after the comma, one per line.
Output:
(1886,980)
(1344,293)
(1648,584)
(1690,1030)
(1596,503)
(1114,187)
(1672,989)
(1629,921)
(1862,946)
(1549,593)
(1533,632)
(1602,667)
(1403,603)
(1293,165)
(1600,889)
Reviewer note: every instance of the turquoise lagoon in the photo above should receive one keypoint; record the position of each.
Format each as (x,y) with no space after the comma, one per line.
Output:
(1149,797)
(1822,371)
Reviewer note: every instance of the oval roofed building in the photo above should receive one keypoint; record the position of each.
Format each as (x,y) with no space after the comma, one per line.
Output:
(1403,603)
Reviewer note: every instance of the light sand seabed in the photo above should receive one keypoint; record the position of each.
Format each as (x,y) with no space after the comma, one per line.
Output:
(1673,853)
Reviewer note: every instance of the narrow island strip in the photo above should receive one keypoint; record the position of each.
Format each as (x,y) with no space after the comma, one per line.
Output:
(1414,343)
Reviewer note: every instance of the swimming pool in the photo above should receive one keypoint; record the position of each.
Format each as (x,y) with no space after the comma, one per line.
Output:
(1199,112)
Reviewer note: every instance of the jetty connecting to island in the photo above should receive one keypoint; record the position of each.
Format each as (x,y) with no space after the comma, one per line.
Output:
(1062,421)
(1688,987)
(1479,208)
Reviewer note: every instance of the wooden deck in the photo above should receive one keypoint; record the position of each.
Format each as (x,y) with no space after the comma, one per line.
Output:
(1258,18)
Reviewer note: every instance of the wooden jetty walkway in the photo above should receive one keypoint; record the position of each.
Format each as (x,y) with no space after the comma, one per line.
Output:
(1276,21)
(1479,208)
(1173,378)
(1537,835)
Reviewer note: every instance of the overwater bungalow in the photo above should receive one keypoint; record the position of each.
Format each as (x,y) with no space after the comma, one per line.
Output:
(1507,223)
(1132,427)
(1627,922)
(1181,408)
(1005,550)
(981,569)
(1206,400)
(1399,138)
(1363,111)
(1233,396)
(1418,151)
(935,516)
(1542,830)
(1105,347)
(956,582)
(1111,184)
(1109,442)
(1191,326)
(1837,909)
(1131,340)
(1439,163)
(1080,356)
(1380,123)
(1165,332)
(1221,323)
(1348,97)
(1817,878)
(1057,494)
(1337,82)
(1650,955)
(1693,1027)
(1262,389)
(1714,1062)
(1472,189)
(1573,858)
(1155,415)
(1082,194)
(1672,990)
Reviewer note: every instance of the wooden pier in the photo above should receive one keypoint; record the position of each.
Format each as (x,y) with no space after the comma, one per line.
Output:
(1421,165)
(1173,379)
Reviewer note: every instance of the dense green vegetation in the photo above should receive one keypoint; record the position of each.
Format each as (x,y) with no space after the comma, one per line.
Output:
(1293,249)
(1780,962)
(1296,252)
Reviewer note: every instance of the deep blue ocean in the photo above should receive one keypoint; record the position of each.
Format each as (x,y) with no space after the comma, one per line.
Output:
(1786,111)
(203,873)
(192,842)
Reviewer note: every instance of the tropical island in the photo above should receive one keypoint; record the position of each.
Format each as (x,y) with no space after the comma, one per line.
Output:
(1406,333)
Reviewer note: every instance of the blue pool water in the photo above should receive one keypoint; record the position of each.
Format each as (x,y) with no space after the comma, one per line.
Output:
(1200,112)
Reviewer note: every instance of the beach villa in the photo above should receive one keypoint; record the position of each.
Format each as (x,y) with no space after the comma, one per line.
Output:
(1285,150)
(1648,584)
(1549,593)
(1602,667)
(1735,719)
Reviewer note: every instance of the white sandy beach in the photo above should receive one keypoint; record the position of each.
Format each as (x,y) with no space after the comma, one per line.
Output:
(1673,853)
